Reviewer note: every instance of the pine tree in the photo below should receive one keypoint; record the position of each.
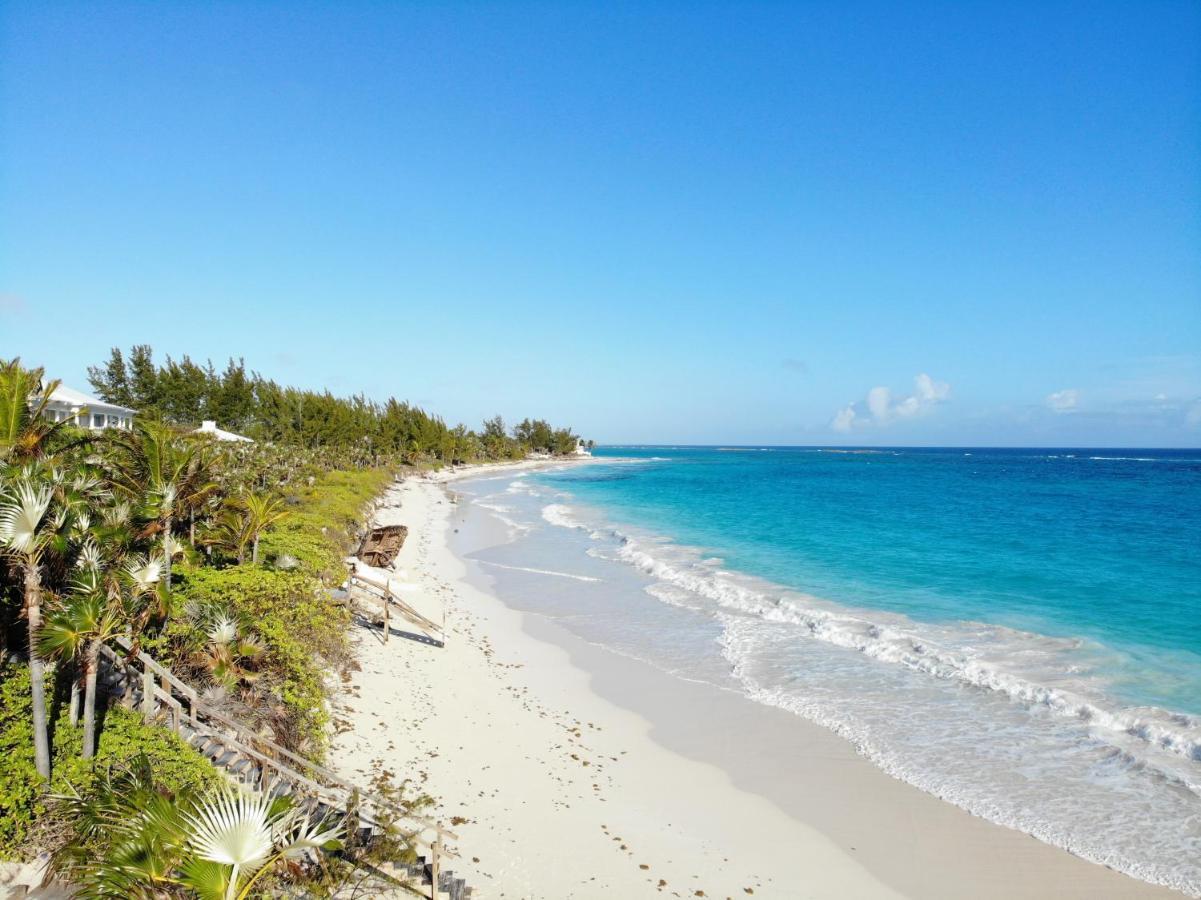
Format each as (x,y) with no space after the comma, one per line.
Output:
(111,381)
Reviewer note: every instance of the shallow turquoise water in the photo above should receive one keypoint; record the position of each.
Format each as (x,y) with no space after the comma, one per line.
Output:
(1015,631)
(1104,544)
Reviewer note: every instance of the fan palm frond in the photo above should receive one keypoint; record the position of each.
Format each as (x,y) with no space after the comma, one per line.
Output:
(22,511)
(89,558)
(234,829)
(224,630)
(117,514)
(142,573)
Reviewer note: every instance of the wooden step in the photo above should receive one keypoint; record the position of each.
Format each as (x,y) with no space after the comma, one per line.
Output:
(321,794)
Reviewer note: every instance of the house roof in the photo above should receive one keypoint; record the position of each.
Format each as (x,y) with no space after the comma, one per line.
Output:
(210,428)
(64,394)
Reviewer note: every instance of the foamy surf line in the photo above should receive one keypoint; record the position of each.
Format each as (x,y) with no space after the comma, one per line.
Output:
(904,644)
(1161,744)
(533,571)
(901,642)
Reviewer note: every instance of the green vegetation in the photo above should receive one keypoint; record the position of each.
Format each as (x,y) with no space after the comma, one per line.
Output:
(27,813)
(186,393)
(214,558)
(320,528)
(137,836)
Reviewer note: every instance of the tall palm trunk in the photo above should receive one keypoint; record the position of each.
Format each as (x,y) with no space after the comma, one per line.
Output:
(92,666)
(254,554)
(167,552)
(76,696)
(37,672)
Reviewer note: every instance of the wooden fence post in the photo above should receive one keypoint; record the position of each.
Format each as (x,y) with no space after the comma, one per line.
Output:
(435,867)
(147,692)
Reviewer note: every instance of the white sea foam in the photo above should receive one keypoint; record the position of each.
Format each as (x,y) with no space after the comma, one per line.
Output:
(999,662)
(559,514)
(894,639)
(539,571)
(1064,790)
(495,507)
(500,512)
(1028,668)
(1013,726)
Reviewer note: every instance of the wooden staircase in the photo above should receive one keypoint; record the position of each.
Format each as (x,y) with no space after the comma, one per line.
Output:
(381,598)
(250,759)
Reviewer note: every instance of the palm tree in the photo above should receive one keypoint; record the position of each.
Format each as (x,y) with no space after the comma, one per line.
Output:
(215,846)
(103,605)
(27,530)
(169,476)
(229,652)
(25,432)
(230,530)
(77,631)
(243,521)
(262,511)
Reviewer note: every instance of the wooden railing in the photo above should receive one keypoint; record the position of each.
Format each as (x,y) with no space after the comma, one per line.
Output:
(382,595)
(165,696)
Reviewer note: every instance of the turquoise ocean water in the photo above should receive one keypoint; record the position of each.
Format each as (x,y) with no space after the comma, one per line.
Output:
(1017,631)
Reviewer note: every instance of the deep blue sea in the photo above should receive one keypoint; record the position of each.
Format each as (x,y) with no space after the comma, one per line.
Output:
(1017,631)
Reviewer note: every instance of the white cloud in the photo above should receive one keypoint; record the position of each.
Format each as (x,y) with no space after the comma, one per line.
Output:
(1063,401)
(879,408)
(844,419)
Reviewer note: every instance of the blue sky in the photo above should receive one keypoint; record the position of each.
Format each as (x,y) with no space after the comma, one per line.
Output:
(852,223)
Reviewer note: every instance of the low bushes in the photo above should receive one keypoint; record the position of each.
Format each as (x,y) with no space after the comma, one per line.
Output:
(29,819)
(302,633)
(322,520)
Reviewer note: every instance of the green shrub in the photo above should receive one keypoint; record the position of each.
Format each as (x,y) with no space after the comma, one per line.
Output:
(24,806)
(300,629)
(290,613)
(320,527)
(20,785)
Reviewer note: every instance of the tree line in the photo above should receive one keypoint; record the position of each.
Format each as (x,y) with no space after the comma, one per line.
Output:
(183,392)
(212,555)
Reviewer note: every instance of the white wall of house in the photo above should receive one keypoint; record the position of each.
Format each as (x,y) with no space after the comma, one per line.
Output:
(87,412)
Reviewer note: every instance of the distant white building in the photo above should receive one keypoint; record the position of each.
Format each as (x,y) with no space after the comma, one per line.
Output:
(581,449)
(68,404)
(209,427)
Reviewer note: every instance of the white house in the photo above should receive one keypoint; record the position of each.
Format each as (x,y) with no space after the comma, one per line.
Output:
(581,449)
(209,427)
(87,412)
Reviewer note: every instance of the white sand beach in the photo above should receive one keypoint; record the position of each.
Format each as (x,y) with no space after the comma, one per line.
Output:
(570,772)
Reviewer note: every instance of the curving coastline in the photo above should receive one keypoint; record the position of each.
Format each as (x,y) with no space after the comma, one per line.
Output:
(710,792)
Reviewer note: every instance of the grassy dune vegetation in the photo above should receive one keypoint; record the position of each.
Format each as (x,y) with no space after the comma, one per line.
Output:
(215,558)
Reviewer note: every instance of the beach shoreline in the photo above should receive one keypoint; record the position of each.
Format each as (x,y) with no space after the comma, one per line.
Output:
(571,772)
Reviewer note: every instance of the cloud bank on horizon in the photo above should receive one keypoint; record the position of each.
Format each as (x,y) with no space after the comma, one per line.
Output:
(1126,402)
(879,408)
